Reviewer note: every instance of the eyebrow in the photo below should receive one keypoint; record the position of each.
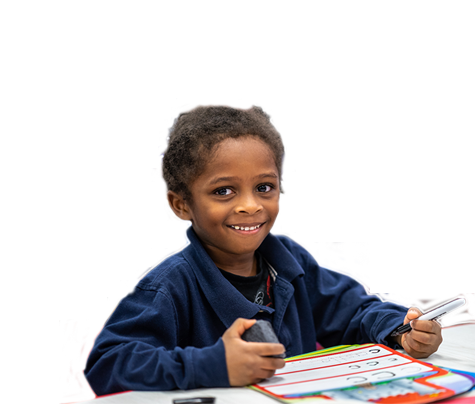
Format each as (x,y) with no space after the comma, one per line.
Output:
(224,179)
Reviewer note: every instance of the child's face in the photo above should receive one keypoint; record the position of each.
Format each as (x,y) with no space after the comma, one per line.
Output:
(238,189)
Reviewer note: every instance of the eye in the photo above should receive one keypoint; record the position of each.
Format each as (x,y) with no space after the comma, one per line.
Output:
(264,188)
(223,191)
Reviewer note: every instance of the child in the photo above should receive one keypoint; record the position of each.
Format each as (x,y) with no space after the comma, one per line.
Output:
(182,326)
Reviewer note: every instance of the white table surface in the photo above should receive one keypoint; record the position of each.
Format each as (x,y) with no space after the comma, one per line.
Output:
(457,352)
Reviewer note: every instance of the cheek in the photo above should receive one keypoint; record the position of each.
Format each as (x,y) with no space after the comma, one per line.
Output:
(215,214)
(274,207)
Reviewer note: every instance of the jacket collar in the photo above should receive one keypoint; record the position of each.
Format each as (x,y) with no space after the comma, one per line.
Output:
(226,300)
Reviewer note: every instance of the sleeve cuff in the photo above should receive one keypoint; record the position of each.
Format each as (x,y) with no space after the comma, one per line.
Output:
(390,324)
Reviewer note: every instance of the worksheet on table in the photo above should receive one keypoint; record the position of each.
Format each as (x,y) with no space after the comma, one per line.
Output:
(341,370)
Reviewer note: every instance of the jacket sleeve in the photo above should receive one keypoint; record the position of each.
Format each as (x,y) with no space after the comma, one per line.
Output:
(138,349)
(343,311)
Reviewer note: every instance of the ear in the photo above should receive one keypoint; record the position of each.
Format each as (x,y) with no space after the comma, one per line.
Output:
(179,205)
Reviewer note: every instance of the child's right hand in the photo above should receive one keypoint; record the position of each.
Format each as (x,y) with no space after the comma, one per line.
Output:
(248,362)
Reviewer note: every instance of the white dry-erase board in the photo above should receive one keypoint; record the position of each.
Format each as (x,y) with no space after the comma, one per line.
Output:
(367,372)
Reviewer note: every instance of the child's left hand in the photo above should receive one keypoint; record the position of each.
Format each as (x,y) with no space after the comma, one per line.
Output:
(424,338)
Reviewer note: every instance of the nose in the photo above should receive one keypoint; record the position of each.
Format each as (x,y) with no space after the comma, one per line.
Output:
(248,203)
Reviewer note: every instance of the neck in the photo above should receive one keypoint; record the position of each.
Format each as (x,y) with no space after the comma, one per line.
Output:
(242,264)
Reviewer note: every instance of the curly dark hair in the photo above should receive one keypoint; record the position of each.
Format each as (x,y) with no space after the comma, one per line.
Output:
(195,134)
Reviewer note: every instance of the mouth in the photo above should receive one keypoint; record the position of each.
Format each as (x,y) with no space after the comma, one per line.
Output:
(247,228)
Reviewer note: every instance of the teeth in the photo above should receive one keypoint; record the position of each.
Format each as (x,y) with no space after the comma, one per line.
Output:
(246,228)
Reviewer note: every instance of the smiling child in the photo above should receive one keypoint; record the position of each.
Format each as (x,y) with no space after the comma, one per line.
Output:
(182,326)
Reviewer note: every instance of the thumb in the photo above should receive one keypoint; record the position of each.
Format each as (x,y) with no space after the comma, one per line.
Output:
(239,326)
(412,314)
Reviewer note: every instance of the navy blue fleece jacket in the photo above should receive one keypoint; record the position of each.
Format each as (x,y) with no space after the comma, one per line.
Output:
(167,333)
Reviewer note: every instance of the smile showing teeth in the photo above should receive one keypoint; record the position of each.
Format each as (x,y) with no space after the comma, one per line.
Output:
(246,228)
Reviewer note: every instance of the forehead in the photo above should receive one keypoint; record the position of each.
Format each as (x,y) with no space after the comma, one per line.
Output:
(242,157)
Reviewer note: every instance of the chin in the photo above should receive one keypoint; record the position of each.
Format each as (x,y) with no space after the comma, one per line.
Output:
(247,249)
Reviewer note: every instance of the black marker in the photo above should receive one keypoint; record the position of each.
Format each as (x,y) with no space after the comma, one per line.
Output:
(194,400)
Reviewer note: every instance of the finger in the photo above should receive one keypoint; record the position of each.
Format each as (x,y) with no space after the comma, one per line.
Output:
(263,374)
(272,363)
(423,338)
(426,326)
(410,346)
(240,325)
(416,349)
(266,348)
(433,338)
(412,314)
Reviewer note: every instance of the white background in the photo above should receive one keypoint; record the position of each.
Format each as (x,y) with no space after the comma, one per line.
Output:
(374,101)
